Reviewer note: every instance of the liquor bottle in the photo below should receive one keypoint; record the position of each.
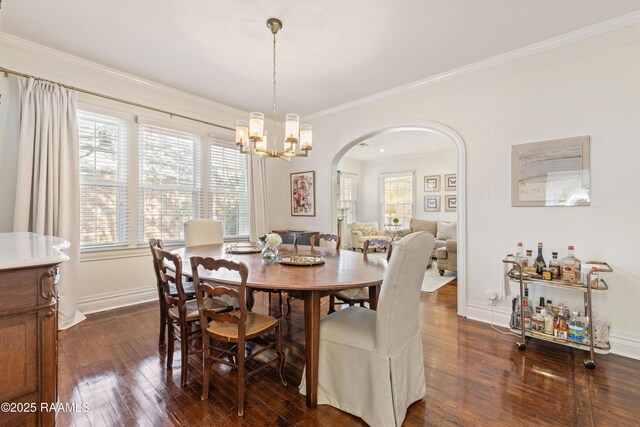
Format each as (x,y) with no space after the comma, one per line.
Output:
(571,267)
(554,264)
(595,279)
(520,255)
(560,327)
(526,310)
(530,259)
(540,264)
(576,328)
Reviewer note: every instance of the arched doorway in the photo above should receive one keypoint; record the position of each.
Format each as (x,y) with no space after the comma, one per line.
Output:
(456,139)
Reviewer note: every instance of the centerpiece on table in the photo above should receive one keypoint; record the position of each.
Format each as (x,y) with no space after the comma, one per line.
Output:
(271,242)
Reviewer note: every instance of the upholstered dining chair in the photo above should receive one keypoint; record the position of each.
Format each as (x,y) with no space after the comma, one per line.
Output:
(325,240)
(224,335)
(202,232)
(370,362)
(181,313)
(359,295)
(189,290)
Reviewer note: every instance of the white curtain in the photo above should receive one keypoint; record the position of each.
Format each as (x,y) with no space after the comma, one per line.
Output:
(48,187)
(257,197)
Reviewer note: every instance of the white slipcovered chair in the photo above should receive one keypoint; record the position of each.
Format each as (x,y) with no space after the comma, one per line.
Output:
(202,232)
(370,362)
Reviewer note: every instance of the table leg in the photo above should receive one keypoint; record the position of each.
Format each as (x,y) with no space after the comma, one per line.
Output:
(374,291)
(251,300)
(312,344)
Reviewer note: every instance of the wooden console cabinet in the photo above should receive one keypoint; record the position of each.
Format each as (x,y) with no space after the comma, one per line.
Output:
(28,340)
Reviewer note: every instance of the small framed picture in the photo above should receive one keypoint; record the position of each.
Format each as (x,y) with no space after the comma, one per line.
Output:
(432,203)
(450,203)
(450,182)
(432,183)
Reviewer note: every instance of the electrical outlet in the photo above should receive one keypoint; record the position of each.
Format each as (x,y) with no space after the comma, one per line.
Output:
(492,297)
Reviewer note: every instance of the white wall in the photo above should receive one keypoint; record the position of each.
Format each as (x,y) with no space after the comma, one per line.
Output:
(437,163)
(108,278)
(586,87)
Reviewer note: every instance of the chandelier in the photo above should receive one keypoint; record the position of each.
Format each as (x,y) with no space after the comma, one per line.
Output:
(251,136)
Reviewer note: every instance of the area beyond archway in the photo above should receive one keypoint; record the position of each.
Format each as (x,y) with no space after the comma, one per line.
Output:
(456,139)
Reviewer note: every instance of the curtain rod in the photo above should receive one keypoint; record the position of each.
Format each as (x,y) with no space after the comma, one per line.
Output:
(6,71)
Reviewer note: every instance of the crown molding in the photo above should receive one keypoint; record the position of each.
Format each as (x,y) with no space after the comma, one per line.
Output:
(39,49)
(532,49)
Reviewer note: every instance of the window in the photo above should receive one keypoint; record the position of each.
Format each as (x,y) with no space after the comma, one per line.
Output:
(169,181)
(349,196)
(103,180)
(228,194)
(397,196)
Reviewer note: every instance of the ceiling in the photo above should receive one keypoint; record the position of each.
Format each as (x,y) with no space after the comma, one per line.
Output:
(329,51)
(400,144)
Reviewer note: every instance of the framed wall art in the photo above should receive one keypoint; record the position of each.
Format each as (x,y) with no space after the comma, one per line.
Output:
(432,203)
(450,203)
(450,182)
(303,193)
(432,183)
(551,173)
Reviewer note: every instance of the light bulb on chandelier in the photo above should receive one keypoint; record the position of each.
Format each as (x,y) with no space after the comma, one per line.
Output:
(251,137)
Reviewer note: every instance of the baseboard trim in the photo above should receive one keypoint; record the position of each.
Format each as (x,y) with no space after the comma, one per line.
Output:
(118,299)
(623,344)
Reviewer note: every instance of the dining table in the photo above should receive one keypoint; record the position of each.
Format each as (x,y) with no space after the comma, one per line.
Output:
(339,270)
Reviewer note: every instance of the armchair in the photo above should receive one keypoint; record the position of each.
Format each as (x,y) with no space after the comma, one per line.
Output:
(448,257)
(363,231)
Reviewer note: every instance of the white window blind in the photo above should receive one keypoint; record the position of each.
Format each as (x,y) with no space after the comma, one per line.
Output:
(228,192)
(349,196)
(397,193)
(103,180)
(169,193)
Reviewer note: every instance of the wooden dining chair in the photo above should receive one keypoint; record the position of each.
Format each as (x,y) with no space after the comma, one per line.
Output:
(358,295)
(189,290)
(224,335)
(318,239)
(181,312)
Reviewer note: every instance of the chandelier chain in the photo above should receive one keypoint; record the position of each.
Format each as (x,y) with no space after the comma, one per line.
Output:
(274,88)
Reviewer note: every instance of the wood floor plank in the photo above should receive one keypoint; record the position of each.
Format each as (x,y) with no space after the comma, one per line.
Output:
(474,375)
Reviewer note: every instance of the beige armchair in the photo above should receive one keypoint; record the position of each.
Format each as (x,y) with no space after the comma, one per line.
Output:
(363,231)
(448,257)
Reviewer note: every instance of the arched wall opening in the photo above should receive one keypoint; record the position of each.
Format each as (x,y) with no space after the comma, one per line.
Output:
(456,139)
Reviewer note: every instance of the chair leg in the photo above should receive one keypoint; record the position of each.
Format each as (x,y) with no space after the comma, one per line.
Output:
(280,303)
(163,325)
(332,304)
(280,352)
(170,343)
(351,303)
(184,353)
(206,368)
(240,378)
(269,303)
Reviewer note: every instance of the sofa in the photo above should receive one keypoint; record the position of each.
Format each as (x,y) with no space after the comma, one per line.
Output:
(447,257)
(442,230)
(363,231)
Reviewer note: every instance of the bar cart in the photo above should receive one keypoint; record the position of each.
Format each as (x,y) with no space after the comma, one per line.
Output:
(517,275)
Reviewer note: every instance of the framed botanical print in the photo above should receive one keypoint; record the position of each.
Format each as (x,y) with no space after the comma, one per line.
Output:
(432,203)
(450,203)
(450,182)
(303,193)
(432,183)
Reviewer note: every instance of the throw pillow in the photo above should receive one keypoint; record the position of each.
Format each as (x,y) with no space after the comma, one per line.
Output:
(447,230)
(369,231)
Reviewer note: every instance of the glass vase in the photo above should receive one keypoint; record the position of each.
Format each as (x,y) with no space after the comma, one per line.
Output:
(269,252)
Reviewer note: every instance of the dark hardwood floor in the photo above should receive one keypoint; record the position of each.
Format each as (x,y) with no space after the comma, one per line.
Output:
(475,376)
